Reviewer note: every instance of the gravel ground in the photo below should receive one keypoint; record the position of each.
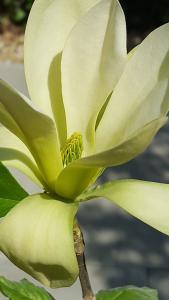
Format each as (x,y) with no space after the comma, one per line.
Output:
(11,43)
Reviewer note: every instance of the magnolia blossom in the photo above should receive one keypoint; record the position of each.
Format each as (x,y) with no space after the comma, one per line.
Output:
(92,106)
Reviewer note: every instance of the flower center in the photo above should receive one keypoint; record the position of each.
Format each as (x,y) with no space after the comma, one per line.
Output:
(73,149)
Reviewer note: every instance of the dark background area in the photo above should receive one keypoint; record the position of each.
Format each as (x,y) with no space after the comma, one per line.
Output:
(143,16)
(16,10)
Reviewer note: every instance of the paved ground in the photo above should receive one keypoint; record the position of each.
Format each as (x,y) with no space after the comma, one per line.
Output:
(120,250)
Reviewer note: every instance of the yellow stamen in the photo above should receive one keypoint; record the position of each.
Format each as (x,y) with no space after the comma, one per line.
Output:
(73,149)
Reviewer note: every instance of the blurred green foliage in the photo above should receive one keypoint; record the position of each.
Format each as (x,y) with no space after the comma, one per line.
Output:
(17,10)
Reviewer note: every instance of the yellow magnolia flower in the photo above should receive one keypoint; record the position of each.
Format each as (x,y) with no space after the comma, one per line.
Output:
(91,107)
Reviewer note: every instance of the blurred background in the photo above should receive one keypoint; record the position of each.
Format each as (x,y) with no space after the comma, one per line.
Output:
(120,250)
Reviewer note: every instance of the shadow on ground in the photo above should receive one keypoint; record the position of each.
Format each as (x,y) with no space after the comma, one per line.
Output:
(125,250)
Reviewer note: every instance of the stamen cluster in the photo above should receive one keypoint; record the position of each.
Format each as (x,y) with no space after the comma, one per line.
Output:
(73,149)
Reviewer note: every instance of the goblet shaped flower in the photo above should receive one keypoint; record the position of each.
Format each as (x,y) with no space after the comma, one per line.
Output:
(92,106)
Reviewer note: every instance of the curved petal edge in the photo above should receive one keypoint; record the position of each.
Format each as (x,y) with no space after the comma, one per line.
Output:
(41,239)
(147,201)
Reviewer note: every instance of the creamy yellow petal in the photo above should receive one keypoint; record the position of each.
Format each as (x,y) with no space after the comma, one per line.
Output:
(142,93)
(75,178)
(92,62)
(47,29)
(81,173)
(125,151)
(14,153)
(147,201)
(37,129)
(41,239)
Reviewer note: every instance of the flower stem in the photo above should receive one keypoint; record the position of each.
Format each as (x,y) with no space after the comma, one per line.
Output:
(83,273)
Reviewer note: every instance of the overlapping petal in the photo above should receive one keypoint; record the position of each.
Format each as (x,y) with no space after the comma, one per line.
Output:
(75,178)
(48,27)
(127,150)
(92,62)
(35,129)
(14,153)
(142,93)
(41,239)
(83,172)
(147,201)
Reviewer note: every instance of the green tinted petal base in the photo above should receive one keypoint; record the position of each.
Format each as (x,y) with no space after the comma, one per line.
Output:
(37,236)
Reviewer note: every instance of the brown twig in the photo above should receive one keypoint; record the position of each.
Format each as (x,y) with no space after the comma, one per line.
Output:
(83,273)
